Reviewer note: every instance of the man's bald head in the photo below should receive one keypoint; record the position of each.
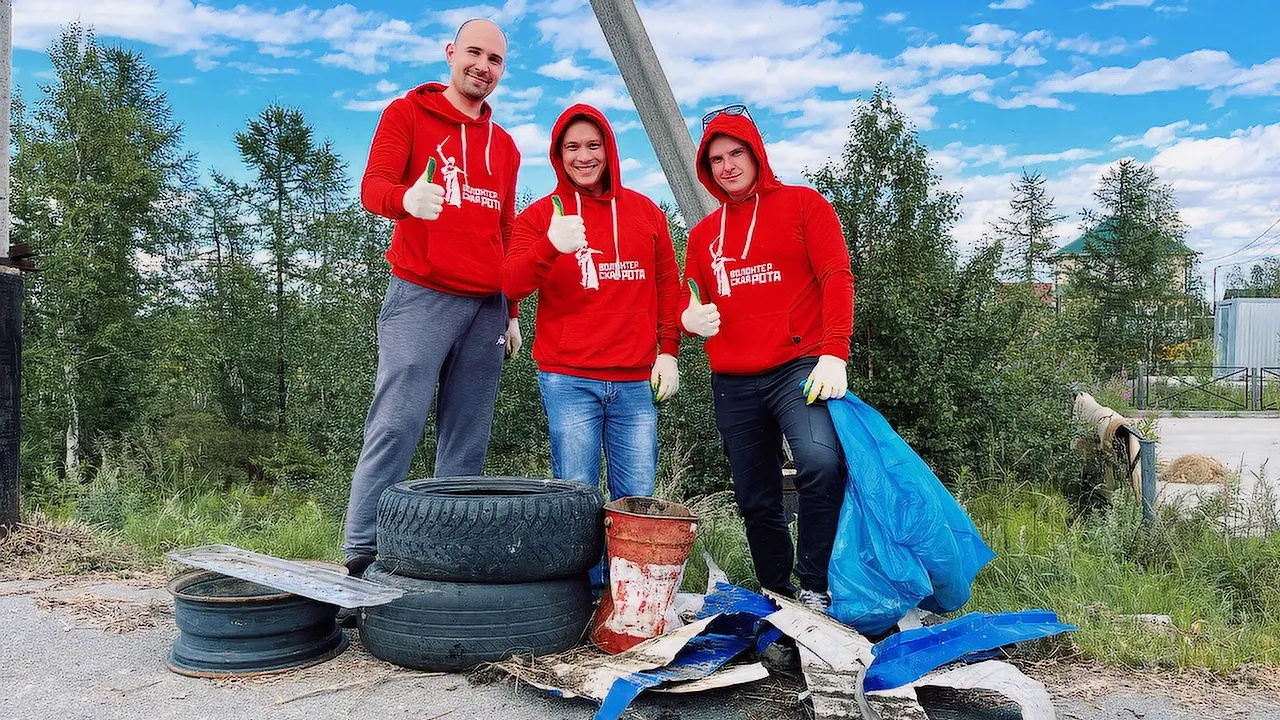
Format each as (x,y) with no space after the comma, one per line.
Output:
(477,58)
(458,35)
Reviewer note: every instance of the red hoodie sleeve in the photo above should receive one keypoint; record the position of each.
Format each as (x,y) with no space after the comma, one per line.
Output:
(829,256)
(692,271)
(530,255)
(668,277)
(507,222)
(382,189)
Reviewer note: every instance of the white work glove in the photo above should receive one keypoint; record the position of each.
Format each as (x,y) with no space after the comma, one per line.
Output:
(424,199)
(665,378)
(828,380)
(513,338)
(566,232)
(699,319)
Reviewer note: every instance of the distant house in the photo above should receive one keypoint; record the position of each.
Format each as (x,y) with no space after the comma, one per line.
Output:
(1066,259)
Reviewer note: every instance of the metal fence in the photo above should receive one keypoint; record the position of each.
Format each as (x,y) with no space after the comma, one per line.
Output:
(1195,388)
(1268,389)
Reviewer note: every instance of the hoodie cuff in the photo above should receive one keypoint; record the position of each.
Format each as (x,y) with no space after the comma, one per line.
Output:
(668,346)
(836,348)
(545,251)
(395,199)
(513,308)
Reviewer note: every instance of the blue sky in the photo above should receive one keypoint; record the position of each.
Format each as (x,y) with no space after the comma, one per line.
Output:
(1066,87)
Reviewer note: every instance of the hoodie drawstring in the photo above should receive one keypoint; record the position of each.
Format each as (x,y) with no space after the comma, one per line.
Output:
(487,143)
(717,248)
(617,253)
(751,229)
(462,129)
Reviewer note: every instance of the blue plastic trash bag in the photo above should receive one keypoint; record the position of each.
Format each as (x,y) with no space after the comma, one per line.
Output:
(903,540)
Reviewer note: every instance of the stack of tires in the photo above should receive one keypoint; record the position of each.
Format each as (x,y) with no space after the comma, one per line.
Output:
(491,567)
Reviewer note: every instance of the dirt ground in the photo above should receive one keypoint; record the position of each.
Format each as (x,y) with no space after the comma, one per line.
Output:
(94,647)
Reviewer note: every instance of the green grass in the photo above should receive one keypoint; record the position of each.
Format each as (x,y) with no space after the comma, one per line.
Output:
(1095,569)
(1220,592)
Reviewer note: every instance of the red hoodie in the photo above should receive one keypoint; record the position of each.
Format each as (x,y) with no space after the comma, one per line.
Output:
(775,263)
(606,311)
(461,251)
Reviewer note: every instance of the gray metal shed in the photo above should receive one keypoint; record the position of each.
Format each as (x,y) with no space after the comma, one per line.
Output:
(1247,333)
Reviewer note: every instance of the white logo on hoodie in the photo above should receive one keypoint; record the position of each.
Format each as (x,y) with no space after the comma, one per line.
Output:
(456,191)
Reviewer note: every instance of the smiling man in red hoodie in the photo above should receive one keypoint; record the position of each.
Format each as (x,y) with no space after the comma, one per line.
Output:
(774,268)
(446,173)
(601,260)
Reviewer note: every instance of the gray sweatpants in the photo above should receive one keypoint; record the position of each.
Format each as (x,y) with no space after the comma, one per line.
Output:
(426,338)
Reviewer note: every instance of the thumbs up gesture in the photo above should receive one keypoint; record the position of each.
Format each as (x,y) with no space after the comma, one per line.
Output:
(700,319)
(566,232)
(424,199)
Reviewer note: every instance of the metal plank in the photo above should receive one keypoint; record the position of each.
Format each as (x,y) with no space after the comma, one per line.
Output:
(299,578)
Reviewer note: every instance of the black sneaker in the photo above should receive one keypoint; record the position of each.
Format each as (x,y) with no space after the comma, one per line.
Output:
(355,565)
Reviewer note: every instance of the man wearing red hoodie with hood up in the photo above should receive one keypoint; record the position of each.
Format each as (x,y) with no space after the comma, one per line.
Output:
(773,268)
(446,173)
(601,260)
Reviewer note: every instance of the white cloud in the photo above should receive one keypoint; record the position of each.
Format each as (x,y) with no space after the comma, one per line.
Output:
(653,182)
(1201,69)
(1010,5)
(364,41)
(1157,137)
(1038,37)
(1109,4)
(1225,186)
(706,59)
(511,11)
(950,55)
(893,18)
(255,69)
(961,84)
(1025,56)
(989,34)
(533,140)
(386,86)
(369,105)
(564,69)
(1112,46)
(1072,155)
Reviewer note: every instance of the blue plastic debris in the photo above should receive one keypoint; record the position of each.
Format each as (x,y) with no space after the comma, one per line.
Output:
(903,540)
(736,600)
(703,655)
(905,657)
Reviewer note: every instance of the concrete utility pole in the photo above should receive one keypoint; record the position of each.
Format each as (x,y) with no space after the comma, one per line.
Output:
(10,298)
(656,104)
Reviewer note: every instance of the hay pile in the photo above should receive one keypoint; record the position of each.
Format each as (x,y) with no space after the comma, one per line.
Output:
(1194,469)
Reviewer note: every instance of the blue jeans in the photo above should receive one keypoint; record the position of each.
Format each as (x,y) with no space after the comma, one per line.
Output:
(585,415)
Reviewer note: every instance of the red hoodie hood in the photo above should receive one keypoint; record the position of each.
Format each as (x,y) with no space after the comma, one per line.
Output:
(613,173)
(738,127)
(431,97)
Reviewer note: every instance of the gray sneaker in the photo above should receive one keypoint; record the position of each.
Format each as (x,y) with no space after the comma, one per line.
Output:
(815,601)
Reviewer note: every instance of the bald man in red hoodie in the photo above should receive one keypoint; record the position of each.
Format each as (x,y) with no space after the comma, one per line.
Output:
(446,173)
(601,259)
(776,307)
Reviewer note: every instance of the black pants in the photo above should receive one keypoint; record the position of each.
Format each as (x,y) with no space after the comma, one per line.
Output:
(753,413)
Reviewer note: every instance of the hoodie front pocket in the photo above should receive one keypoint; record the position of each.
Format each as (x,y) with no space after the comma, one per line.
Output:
(608,340)
(750,339)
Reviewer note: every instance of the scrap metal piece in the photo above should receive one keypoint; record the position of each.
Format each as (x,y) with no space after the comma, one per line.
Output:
(299,578)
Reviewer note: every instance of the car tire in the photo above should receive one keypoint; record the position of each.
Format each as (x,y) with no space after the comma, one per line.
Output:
(447,626)
(490,529)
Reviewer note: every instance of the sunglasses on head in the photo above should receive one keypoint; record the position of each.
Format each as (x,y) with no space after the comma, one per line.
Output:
(726,110)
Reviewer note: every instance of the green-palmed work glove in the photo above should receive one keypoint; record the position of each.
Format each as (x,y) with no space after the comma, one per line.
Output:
(665,378)
(566,232)
(424,199)
(699,319)
(828,380)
